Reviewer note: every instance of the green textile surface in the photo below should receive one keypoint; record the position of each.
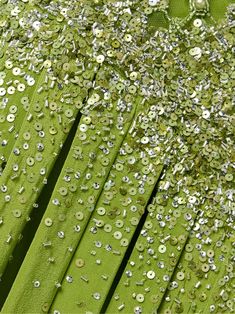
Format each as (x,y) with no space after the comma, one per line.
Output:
(141,217)
(101,125)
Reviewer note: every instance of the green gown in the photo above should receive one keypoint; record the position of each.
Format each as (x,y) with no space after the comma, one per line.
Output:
(141,218)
